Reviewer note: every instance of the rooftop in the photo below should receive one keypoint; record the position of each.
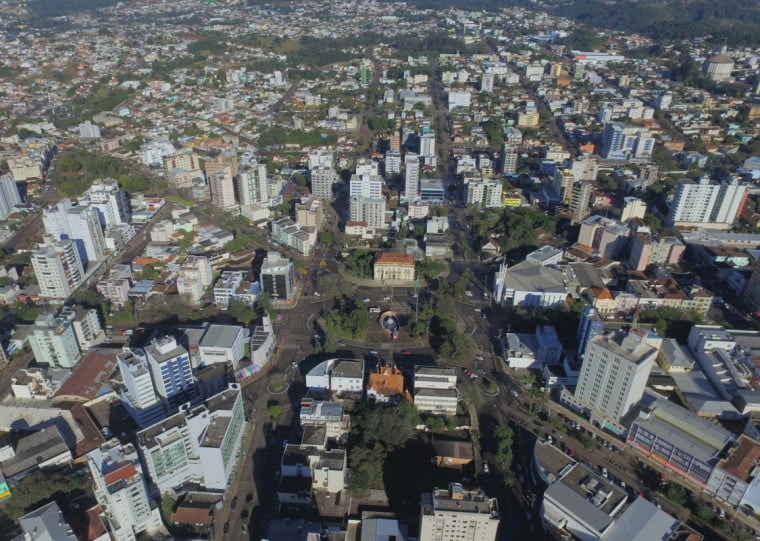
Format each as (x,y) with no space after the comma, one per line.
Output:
(90,376)
(743,459)
(220,336)
(457,499)
(395,258)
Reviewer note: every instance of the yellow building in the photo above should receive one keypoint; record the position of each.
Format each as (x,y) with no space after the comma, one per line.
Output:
(394,267)
(511,198)
(528,119)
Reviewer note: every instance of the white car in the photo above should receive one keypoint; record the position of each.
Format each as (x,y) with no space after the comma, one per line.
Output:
(485,467)
(386,298)
(365,300)
(468,293)
(317,294)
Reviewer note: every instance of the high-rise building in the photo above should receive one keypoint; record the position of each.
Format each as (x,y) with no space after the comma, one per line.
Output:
(109,201)
(427,146)
(634,208)
(625,142)
(121,491)
(704,201)
(370,210)
(199,444)
(78,223)
(195,275)
(58,270)
(54,341)
(591,325)
(9,196)
(395,141)
(614,373)
(278,277)
(581,198)
(647,250)
(169,364)
(138,395)
(458,514)
(562,184)
(392,163)
(367,168)
(366,186)
(321,158)
(222,188)
(322,179)
(484,193)
(226,161)
(412,176)
(486,82)
(253,185)
(509,160)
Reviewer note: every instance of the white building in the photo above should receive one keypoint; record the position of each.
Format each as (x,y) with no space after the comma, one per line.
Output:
(614,373)
(322,180)
(337,375)
(483,193)
(226,287)
(58,269)
(435,390)
(459,99)
(199,444)
(78,223)
(121,491)
(392,163)
(457,514)
(222,189)
(253,184)
(367,186)
(368,210)
(634,208)
(109,201)
(194,276)
(53,341)
(531,285)
(222,344)
(138,395)
(262,343)
(153,153)
(702,202)
(412,176)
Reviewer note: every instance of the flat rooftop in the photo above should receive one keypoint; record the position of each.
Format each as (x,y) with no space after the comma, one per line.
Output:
(220,336)
(216,431)
(348,369)
(459,500)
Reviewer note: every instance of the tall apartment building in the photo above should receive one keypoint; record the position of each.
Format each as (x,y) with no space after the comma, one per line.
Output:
(435,390)
(614,373)
(704,201)
(427,148)
(368,210)
(509,160)
(590,326)
(394,145)
(278,276)
(634,208)
(625,142)
(608,237)
(54,341)
(78,223)
(562,183)
(253,186)
(138,394)
(392,163)
(9,196)
(195,275)
(483,193)
(221,183)
(412,176)
(310,212)
(581,199)
(169,364)
(367,186)
(458,514)
(183,170)
(321,158)
(648,250)
(58,269)
(121,491)
(322,179)
(226,161)
(198,445)
(109,201)
(86,325)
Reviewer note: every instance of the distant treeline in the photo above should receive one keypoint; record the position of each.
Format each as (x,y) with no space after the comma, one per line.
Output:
(43,9)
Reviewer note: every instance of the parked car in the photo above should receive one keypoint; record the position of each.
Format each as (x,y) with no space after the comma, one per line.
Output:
(485,467)
(373,352)
(365,300)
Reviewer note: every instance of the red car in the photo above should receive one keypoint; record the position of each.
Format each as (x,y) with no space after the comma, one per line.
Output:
(405,352)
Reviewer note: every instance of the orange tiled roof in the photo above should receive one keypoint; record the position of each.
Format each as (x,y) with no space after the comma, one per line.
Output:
(192,515)
(125,472)
(394,258)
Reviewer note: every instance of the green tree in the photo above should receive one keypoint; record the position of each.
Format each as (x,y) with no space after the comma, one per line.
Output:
(274,411)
